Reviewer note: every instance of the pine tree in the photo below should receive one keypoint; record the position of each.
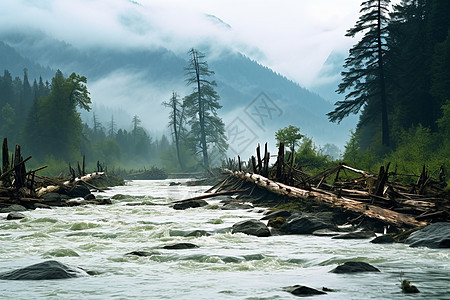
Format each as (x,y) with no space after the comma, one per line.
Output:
(206,127)
(176,121)
(364,78)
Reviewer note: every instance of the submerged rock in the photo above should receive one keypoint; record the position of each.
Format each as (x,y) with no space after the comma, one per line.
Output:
(198,233)
(301,290)
(180,246)
(275,214)
(41,205)
(276,222)
(143,253)
(436,235)
(15,216)
(251,227)
(189,204)
(305,225)
(383,239)
(11,208)
(89,197)
(50,269)
(52,199)
(78,190)
(356,235)
(354,267)
(236,206)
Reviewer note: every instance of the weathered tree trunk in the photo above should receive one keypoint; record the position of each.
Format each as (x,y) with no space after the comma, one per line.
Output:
(329,199)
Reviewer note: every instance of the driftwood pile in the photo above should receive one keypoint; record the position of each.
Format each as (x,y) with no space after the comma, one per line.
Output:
(26,188)
(377,197)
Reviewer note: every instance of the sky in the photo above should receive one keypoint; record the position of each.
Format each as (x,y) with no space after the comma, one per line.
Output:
(293,37)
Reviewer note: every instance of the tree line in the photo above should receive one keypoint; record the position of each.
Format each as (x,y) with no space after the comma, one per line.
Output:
(45,119)
(397,76)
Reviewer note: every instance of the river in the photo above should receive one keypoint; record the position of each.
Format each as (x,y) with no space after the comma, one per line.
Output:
(225,266)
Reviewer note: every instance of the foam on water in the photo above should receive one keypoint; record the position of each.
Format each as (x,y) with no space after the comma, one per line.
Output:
(224,266)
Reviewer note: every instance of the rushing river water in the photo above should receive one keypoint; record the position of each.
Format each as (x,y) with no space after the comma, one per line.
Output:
(225,266)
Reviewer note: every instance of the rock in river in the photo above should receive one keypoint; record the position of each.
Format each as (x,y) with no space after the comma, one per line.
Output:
(236,206)
(354,267)
(189,204)
(301,290)
(180,246)
(383,239)
(305,225)
(356,235)
(251,227)
(436,235)
(275,214)
(50,269)
(15,216)
(11,208)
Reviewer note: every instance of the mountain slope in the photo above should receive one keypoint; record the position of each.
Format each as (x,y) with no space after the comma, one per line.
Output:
(137,80)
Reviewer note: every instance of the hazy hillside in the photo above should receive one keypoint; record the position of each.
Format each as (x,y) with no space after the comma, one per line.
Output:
(15,63)
(136,81)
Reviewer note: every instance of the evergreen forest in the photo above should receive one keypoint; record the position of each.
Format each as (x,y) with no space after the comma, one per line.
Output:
(396,78)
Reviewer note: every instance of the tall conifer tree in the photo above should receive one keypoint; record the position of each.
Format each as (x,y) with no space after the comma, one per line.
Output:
(364,79)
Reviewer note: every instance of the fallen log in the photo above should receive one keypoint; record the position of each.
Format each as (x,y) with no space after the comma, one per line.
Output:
(372,211)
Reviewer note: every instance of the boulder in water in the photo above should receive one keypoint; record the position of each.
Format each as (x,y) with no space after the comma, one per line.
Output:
(276,222)
(276,214)
(41,205)
(383,239)
(180,246)
(251,227)
(305,225)
(50,269)
(189,204)
(11,208)
(142,253)
(436,235)
(52,199)
(236,206)
(301,290)
(354,267)
(15,216)
(356,235)
(197,233)
(78,190)
(89,196)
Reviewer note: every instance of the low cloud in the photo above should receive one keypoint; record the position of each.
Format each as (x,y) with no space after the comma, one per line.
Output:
(292,37)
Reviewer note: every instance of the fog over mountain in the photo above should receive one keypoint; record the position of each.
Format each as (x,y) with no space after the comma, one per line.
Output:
(134,67)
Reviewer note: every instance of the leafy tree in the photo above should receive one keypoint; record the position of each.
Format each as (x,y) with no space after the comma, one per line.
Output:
(364,78)
(206,127)
(290,136)
(59,124)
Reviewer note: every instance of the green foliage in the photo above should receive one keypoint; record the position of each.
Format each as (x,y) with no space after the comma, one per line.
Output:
(416,60)
(290,136)
(416,148)
(310,158)
(206,128)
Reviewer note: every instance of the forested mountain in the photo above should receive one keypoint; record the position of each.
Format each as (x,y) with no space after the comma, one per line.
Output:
(136,81)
